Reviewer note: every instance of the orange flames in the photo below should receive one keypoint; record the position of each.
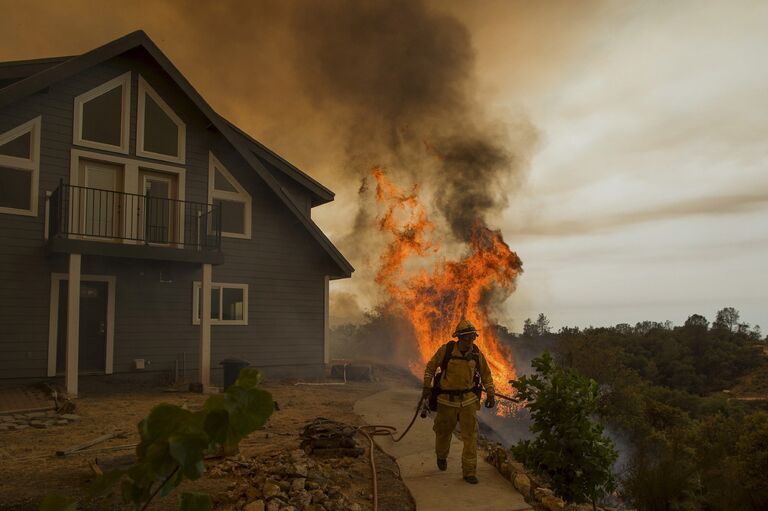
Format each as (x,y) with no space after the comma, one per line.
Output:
(434,300)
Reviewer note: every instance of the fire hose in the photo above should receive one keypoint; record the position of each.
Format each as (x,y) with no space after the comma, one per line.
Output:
(374,430)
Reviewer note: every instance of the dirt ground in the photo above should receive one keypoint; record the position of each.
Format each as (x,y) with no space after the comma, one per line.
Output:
(29,469)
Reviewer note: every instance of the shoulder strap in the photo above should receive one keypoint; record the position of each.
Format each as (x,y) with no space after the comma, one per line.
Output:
(446,357)
(476,355)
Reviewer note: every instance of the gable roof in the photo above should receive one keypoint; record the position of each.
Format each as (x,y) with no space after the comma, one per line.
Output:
(320,194)
(18,69)
(246,146)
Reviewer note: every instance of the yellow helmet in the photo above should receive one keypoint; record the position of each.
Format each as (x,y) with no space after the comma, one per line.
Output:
(464,327)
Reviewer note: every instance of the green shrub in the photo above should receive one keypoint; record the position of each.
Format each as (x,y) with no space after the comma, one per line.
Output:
(570,448)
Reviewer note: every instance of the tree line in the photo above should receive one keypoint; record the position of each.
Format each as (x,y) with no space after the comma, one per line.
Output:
(673,393)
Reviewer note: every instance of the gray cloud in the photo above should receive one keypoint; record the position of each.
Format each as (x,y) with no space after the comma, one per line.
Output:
(714,205)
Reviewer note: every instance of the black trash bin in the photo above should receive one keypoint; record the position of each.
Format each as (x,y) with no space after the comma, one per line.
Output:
(232,367)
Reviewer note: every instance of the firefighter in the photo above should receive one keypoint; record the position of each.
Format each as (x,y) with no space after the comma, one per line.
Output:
(458,396)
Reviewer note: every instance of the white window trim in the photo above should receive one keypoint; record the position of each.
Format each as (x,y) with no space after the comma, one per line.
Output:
(31,164)
(53,318)
(219,286)
(146,89)
(125,115)
(131,178)
(240,196)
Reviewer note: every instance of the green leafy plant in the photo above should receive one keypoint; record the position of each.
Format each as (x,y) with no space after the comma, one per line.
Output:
(175,441)
(570,448)
(58,503)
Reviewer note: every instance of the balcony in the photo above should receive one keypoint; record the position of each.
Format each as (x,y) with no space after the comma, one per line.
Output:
(104,222)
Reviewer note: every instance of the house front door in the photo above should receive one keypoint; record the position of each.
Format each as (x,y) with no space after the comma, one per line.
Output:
(92,353)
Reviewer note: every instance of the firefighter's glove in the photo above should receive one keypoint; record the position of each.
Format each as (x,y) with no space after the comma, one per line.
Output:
(490,400)
(425,392)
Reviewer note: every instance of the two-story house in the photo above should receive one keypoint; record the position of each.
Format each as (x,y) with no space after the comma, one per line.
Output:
(141,231)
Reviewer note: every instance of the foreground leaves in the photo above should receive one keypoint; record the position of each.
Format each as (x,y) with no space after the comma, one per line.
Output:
(174,443)
(195,502)
(58,503)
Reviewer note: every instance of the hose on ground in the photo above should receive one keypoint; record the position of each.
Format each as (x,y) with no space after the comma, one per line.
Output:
(374,430)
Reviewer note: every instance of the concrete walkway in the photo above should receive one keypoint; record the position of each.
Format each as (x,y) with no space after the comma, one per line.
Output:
(415,454)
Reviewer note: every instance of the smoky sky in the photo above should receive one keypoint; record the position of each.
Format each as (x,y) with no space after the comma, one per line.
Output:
(400,78)
(391,62)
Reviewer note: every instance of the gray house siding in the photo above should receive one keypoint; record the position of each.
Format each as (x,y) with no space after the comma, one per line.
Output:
(286,276)
(282,264)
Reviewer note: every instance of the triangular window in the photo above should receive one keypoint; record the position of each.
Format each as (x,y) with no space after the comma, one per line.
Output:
(19,147)
(20,168)
(161,133)
(102,115)
(221,183)
(233,201)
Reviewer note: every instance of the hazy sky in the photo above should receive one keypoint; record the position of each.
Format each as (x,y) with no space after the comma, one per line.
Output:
(647,193)
(648,197)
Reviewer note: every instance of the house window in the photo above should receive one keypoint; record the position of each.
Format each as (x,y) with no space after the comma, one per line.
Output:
(102,115)
(229,304)
(235,203)
(20,168)
(161,134)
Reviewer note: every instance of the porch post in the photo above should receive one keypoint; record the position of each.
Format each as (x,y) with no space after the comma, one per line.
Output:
(73,324)
(326,323)
(205,328)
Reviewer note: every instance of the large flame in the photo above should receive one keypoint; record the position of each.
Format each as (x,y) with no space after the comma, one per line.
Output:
(436,297)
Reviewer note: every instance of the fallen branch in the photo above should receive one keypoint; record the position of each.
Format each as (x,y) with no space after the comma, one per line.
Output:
(90,443)
(95,468)
(106,449)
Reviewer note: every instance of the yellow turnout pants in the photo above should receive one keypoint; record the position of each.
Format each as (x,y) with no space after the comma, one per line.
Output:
(445,423)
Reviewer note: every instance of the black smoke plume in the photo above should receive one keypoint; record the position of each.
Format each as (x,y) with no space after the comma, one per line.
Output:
(398,76)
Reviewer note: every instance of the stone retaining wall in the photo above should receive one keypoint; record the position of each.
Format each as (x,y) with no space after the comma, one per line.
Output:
(532,488)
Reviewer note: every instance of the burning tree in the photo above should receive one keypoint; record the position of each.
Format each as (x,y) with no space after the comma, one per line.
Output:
(435,296)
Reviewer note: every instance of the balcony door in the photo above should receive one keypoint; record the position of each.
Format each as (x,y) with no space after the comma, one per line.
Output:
(99,203)
(160,209)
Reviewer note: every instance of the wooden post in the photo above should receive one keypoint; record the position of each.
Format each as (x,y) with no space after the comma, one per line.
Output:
(47,225)
(73,324)
(326,323)
(205,328)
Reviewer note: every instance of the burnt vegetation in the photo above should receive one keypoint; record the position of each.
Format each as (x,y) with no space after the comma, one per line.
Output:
(689,405)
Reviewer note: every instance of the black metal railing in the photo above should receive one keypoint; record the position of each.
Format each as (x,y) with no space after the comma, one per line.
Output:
(81,212)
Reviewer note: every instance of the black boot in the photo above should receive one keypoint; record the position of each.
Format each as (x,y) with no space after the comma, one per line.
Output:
(442,464)
(471,479)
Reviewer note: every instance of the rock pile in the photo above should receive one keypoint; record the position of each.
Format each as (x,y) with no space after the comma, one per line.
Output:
(324,437)
(39,420)
(285,482)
